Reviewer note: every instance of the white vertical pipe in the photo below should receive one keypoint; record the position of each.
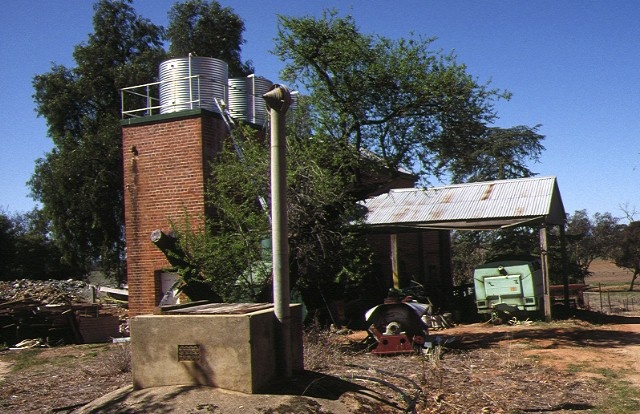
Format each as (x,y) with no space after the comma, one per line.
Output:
(278,99)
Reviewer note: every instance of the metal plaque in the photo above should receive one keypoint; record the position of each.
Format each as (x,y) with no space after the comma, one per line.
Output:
(188,352)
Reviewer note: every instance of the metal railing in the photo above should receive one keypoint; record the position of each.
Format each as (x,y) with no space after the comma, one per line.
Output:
(149,94)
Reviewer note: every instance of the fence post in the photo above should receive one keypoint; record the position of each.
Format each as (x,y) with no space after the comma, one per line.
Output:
(600,290)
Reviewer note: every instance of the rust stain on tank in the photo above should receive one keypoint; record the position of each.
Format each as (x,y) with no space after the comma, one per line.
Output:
(487,192)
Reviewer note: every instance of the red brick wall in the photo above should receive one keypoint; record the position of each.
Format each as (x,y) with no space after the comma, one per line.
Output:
(164,163)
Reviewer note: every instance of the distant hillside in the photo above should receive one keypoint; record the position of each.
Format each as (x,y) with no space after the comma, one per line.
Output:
(608,273)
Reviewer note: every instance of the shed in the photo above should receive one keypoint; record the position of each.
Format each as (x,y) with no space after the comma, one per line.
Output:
(473,206)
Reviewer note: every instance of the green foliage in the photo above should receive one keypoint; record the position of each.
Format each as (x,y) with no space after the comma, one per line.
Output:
(79,182)
(321,206)
(499,154)
(401,105)
(587,238)
(26,250)
(413,107)
(228,254)
(472,248)
(626,254)
(233,254)
(375,105)
(205,28)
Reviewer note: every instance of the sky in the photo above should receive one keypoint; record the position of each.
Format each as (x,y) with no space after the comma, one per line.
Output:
(571,65)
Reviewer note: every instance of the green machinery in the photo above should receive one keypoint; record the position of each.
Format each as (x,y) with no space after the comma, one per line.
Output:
(508,287)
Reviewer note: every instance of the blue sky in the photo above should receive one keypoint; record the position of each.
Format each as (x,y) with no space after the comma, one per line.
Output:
(571,65)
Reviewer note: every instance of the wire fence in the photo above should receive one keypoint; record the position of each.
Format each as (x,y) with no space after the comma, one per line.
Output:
(612,302)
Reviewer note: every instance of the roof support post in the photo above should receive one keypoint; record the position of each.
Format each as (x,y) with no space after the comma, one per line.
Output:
(544,260)
(565,261)
(395,267)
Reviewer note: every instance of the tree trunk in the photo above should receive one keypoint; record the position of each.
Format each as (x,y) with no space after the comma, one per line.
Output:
(633,279)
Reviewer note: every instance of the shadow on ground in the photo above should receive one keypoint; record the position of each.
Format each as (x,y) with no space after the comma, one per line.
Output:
(572,335)
(306,392)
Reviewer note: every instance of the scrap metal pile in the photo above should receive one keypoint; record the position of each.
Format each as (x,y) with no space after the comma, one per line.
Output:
(53,312)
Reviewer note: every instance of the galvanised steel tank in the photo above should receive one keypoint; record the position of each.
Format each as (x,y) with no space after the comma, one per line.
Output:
(245,99)
(179,92)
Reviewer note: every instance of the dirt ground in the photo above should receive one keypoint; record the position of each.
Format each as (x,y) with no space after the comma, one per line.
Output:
(588,362)
(558,367)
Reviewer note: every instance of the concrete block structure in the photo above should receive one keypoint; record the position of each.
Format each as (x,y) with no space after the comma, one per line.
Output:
(234,351)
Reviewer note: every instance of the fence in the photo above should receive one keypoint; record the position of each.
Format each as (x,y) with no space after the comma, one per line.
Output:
(612,302)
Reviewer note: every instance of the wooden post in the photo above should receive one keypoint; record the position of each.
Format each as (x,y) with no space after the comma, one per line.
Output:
(545,272)
(394,261)
(565,263)
(600,290)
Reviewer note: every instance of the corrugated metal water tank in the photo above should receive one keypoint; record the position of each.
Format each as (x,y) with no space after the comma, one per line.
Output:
(245,99)
(179,93)
(295,96)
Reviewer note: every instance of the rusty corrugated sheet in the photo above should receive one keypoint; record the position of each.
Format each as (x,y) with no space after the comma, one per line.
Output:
(486,204)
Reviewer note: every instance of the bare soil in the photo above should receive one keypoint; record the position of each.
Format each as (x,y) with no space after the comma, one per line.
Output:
(59,379)
(558,367)
(578,364)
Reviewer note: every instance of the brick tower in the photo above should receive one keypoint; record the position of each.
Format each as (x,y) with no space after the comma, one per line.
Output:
(165,160)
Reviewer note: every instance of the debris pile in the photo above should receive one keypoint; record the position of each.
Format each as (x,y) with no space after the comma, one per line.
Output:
(47,292)
(55,312)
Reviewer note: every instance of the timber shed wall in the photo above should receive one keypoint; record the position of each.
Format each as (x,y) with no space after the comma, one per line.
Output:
(423,255)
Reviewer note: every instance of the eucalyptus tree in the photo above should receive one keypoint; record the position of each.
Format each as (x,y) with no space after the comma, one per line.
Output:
(590,238)
(79,182)
(412,106)
(407,103)
(205,28)
(498,154)
(627,253)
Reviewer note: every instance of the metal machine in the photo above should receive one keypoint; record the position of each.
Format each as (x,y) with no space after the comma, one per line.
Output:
(397,327)
(508,287)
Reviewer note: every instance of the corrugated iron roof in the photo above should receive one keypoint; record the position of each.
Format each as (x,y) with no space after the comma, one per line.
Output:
(486,205)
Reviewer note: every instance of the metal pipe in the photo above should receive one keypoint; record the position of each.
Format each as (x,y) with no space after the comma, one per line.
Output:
(278,100)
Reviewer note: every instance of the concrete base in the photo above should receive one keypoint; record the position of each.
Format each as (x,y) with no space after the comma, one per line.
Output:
(231,351)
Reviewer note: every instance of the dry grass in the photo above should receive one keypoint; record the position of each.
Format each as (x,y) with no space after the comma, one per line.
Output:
(53,379)
(493,378)
(488,371)
(115,362)
(323,349)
